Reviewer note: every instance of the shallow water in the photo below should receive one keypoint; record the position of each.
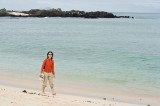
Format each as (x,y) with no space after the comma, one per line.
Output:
(119,53)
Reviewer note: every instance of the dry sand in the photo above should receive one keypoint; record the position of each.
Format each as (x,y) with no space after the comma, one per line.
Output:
(10,96)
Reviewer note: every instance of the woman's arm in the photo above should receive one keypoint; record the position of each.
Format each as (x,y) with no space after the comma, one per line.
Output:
(53,72)
(43,66)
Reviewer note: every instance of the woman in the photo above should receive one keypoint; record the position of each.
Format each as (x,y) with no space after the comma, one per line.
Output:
(47,70)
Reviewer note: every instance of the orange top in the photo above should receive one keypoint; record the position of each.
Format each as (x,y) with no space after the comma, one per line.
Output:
(48,66)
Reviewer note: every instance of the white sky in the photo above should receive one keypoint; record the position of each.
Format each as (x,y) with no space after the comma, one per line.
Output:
(147,6)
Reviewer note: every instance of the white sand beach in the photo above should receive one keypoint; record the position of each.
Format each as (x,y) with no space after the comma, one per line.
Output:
(18,14)
(11,96)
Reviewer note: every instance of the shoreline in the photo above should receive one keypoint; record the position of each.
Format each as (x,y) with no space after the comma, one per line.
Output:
(81,92)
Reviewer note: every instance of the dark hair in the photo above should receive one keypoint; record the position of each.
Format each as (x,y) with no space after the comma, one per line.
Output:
(48,53)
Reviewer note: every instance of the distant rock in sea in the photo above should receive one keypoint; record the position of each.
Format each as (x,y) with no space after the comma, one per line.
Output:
(59,13)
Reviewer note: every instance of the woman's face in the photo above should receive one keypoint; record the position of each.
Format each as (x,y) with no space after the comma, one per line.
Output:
(49,55)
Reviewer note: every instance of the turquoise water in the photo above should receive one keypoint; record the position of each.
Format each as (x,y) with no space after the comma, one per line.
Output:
(105,52)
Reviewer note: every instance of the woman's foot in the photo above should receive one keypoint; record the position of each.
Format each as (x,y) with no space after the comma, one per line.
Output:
(53,93)
(43,94)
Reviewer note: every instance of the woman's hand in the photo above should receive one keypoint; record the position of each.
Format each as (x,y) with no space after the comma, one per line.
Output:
(40,75)
(53,75)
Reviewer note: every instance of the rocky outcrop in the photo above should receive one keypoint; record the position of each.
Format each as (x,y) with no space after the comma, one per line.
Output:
(59,13)
(3,12)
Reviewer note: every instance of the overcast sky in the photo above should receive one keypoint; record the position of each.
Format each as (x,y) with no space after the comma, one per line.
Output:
(147,6)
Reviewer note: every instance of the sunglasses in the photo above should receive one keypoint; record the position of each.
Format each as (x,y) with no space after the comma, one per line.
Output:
(49,54)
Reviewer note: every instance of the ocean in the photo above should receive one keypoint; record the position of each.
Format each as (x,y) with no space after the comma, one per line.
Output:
(117,53)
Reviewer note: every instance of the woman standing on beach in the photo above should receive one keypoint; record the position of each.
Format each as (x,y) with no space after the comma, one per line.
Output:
(47,72)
